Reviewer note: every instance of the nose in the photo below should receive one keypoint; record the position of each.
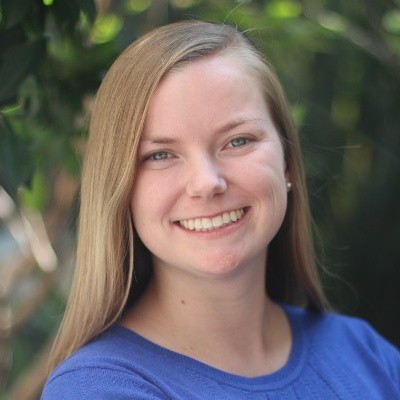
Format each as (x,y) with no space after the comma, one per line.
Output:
(204,178)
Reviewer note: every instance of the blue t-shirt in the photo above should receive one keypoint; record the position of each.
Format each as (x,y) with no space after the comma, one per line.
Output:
(332,357)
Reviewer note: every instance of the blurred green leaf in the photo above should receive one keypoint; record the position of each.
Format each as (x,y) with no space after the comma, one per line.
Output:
(298,113)
(137,6)
(333,21)
(11,110)
(106,28)
(18,63)
(391,21)
(36,196)
(283,9)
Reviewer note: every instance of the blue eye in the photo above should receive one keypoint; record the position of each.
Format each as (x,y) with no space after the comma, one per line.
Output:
(237,142)
(159,156)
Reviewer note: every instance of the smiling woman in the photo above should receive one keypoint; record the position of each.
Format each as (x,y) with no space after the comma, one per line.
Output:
(232,160)
(195,274)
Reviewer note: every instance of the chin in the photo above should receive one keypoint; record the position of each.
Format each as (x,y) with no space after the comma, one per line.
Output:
(222,266)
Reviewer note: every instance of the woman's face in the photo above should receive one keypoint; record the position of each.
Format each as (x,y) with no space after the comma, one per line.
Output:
(210,192)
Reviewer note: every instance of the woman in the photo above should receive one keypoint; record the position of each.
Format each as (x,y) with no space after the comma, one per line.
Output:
(194,238)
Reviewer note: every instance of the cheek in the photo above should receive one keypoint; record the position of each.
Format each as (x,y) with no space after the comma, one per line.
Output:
(141,203)
(150,200)
(266,174)
(268,183)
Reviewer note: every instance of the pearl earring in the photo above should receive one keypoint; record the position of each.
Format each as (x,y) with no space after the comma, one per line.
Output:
(289,185)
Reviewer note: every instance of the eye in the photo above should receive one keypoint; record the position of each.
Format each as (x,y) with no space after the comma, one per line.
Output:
(159,156)
(238,142)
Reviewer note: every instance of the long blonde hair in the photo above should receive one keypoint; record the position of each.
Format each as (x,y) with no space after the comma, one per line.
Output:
(108,275)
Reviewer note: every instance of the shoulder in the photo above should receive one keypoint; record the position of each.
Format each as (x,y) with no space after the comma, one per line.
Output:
(108,367)
(333,324)
(352,337)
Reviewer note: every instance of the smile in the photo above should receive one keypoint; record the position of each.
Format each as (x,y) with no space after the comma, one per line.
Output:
(210,224)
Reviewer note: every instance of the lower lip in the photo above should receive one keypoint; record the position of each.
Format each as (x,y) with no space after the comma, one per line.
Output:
(223,230)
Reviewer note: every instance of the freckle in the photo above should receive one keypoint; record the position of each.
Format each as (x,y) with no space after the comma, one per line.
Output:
(183,302)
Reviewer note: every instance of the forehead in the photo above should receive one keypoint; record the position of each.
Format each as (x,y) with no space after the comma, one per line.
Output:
(225,64)
(206,91)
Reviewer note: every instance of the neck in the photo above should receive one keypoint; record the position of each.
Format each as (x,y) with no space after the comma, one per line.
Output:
(226,322)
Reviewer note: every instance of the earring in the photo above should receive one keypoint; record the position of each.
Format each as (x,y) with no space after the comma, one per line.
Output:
(289,185)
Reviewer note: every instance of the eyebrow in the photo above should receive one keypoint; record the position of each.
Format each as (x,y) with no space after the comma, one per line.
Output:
(223,129)
(235,123)
(159,140)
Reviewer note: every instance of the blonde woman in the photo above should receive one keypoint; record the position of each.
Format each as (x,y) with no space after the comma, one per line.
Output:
(195,275)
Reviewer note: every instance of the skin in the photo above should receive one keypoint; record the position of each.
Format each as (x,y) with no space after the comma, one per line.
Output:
(209,147)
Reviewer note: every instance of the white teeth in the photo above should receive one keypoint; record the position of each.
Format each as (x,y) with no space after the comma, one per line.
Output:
(226,218)
(217,222)
(209,224)
(233,215)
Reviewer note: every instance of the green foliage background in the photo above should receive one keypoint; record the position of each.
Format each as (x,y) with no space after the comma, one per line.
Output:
(339,61)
